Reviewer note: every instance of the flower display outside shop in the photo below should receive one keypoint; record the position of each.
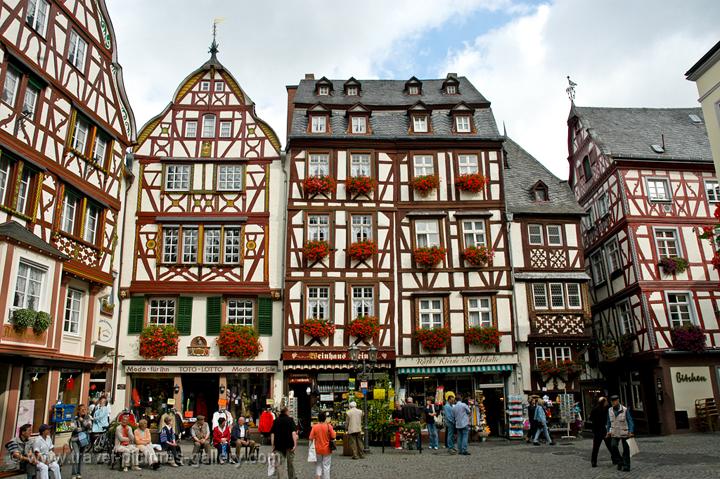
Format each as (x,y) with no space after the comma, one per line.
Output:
(316,250)
(22,319)
(471,182)
(159,341)
(712,234)
(556,369)
(237,341)
(427,257)
(364,327)
(41,323)
(673,265)
(362,250)
(318,328)
(360,185)
(316,185)
(424,185)
(688,337)
(433,339)
(478,255)
(487,337)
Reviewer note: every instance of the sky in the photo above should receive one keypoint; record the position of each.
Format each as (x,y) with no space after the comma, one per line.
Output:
(518,54)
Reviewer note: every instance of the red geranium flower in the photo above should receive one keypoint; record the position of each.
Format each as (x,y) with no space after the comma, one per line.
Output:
(433,339)
(159,341)
(427,257)
(238,342)
(478,255)
(314,185)
(360,185)
(362,250)
(318,328)
(423,185)
(316,250)
(364,327)
(471,182)
(488,337)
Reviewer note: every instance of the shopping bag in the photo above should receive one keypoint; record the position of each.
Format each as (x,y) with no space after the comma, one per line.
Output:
(312,454)
(632,445)
(272,464)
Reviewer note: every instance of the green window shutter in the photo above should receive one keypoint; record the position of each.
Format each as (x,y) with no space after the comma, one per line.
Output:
(213,316)
(184,315)
(136,317)
(265,316)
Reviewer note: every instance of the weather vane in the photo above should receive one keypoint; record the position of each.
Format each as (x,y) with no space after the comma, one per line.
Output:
(570,90)
(214,45)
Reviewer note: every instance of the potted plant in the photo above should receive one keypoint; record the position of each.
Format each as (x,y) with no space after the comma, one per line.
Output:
(360,185)
(315,185)
(433,339)
(673,265)
(688,337)
(316,250)
(478,255)
(23,319)
(159,341)
(237,341)
(362,250)
(484,336)
(428,256)
(712,234)
(364,327)
(318,328)
(549,369)
(424,185)
(41,322)
(570,367)
(471,182)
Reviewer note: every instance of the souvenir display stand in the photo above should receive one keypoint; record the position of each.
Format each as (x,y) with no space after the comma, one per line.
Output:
(516,416)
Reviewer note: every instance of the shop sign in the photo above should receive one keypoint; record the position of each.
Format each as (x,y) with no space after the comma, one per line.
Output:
(202,369)
(690,383)
(461,360)
(333,355)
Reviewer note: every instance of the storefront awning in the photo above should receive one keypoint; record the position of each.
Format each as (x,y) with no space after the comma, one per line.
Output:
(493,368)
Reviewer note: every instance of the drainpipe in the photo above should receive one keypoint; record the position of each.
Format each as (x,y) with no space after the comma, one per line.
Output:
(508,226)
(284,227)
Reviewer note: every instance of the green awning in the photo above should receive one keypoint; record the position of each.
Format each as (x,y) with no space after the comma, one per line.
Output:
(493,368)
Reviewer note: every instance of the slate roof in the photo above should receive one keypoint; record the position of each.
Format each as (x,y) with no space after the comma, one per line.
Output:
(522,172)
(15,231)
(628,132)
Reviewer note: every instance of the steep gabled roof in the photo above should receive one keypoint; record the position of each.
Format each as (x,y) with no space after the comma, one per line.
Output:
(15,231)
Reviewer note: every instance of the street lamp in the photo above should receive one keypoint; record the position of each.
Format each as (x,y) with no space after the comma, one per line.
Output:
(364,374)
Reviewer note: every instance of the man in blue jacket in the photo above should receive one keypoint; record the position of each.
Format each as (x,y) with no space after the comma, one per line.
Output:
(449,422)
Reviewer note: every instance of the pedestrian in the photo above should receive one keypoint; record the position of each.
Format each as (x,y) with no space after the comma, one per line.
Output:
(283,439)
(449,419)
(541,424)
(620,428)
(20,451)
(221,440)
(431,414)
(101,415)
(200,433)
(80,439)
(461,414)
(532,405)
(598,417)
(125,444)
(397,414)
(323,435)
(168,442)
(265,424)
(143,441)
(353,424)
(45,459)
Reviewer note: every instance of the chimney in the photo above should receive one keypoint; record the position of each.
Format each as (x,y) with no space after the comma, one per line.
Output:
(452,75)
(309,76)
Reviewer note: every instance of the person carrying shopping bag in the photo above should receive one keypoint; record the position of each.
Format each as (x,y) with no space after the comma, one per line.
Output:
(323,436)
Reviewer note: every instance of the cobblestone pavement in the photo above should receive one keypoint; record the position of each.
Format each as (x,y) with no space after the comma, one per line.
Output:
(682,456)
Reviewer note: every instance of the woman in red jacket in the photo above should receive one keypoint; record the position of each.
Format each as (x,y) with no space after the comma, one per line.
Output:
(267,418)
(221,440)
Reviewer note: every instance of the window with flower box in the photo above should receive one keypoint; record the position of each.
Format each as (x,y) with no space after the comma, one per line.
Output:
(361,228)
(423,165)
(318,227)
(319,164)
(29,286)
(230,177)
(542,354)
(479,312)
(37,15)
(162,311)
(474,233)
(680,308)
(431,313)
(666,241)
(360,164)
(468,164)
(563,353)
(240,312)
(363,301)
(318,303)
(426,233)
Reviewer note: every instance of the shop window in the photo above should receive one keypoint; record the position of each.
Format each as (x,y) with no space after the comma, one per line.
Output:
(431,313)
(681,312)
(363,301)
(666,241)
(162,311)
(360,164)
(423,165)
(554,235)
(574,299)
(190,244)
(37,15)
(77,51)
(479,312)
(28,286)
(211,246)
(319,302)
(563,353)
(468,164)
(539,296)
(318,227)
(177,177)
(543,354)
(230,177)
(474,233)
(73,302)
(426,233)
(240,312)
(70,386)
(319,164)
(361,228)
(34,388)
(625,315)
(208,130)
(191,129)
(535,234)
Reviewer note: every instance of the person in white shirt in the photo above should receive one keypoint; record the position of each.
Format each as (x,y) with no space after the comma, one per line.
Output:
(222,413)
(45,459)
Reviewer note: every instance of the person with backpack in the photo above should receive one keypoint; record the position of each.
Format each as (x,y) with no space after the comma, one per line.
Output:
(80,439)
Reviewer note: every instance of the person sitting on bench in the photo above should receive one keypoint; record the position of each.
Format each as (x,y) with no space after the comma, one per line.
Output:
(240,437)
(20,451)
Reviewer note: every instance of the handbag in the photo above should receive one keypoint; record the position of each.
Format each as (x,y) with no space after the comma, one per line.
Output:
(312,453)
(632,445)
(272,463)
(331,441)
(83,439)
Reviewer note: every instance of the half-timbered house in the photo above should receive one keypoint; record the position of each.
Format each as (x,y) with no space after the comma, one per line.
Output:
(204,254)
(65,128)
(645,178)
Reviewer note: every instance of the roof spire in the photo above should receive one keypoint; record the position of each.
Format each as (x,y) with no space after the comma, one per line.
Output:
(214,45)
(570,90)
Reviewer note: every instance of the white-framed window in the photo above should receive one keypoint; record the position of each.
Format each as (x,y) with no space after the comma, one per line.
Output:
(191,129)
(360,164)
(100,149)
(563,353)
(613,255)
(363,301)
(28,286)
(351,91)
(420,123)
(468,164)
(554,235)
(80,135)
(625,317)
(358,124)
(231,245)
(73,302)
(588,220)
(666,241)
(318,123)
(542,354)
(598,268)
(635,390)
(603,208)
(211,245)
(10,87)
(162,311)
(361,227)
(413,90)
(30,101)
(170,244)
(190,244)
(423,165)
(474,232)
(230,177)
(319,302)
(462,124)
(539,292)
(658,189)
(680,308)
(71,205)
(318,227)
(240,312)
(204,86)
(535,234)
(479,312)
(426,233)
(712,191)
(78,49)
(431,313)
(319,164)
(208,130)
(24,189)
(90,226)
(177,177)
(451,89)
(219,86)
(37,15)
(4,175)
(574,298)
(323,90)
(225,129)
(557,296)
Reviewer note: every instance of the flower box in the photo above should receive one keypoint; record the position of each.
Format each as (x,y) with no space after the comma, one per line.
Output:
(427,257)
(364,327)
(673,265)
(237,341)
(318,328)
(424,185)
(486,337)
(360,185)
(316,250)
(433,339)
(471,182)
(478,255)
(25,318)
(362,250)
(159,341)
(319,185)
(688,338)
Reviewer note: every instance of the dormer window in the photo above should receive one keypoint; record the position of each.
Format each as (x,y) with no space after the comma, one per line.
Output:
(351,91)
(450,85)
(358,124)
(318,124)
(540,191)
(462,124)
(413,90)
(323,90)
(413,86)
(323,87)
(451,89)
(420,123)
